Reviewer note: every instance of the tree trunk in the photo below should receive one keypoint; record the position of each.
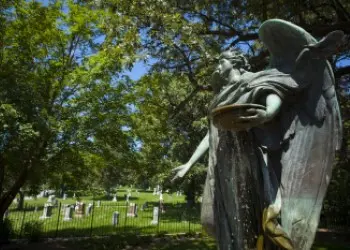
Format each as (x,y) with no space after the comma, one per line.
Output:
(7,198)
(2,173)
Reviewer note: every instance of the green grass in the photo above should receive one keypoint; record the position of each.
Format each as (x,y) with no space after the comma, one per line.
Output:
(131,241)
(175,220)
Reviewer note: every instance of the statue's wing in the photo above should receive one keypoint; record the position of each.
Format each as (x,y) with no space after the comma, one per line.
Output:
(308,157)
(285,42)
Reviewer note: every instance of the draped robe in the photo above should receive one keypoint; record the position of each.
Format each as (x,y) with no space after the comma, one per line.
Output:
(294,152)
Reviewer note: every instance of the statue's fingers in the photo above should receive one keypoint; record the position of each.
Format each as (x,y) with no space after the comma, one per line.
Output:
(251,110)
(248,118)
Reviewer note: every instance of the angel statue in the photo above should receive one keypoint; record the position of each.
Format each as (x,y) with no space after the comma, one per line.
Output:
(272,140)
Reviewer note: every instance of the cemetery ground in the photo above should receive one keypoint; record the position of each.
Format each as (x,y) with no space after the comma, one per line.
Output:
(178,227)
(175,219)
(155,242)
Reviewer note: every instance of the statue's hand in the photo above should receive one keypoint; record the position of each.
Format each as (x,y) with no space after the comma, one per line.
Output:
(181,171)
(258,116)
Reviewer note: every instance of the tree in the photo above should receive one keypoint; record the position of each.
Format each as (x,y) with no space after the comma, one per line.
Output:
(54,60)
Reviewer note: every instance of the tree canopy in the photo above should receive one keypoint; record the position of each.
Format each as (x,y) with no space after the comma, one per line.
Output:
(68,112)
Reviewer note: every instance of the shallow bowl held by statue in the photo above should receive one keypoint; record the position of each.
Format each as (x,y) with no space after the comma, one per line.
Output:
(228,117)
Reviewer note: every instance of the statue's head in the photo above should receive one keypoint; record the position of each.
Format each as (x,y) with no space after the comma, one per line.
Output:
(236,58)
(232,63)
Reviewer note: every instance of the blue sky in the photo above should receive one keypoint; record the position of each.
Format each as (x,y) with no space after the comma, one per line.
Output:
(138,70)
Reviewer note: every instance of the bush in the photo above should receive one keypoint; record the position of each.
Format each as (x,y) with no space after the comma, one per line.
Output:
(5,231)
(33,230)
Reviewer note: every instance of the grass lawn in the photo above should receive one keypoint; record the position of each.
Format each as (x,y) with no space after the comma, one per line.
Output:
(124,242)
(176,218)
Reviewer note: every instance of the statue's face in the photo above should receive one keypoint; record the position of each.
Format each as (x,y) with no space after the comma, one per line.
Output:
(224,68)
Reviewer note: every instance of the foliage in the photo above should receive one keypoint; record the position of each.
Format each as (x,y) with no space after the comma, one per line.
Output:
(6,230)
(60,92)
(33,230)
(70,118)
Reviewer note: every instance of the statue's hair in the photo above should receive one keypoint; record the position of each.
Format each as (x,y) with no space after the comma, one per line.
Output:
(236,58)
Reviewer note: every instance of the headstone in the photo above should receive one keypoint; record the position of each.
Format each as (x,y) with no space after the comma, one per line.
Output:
(127,198)
(79,209)
(65,196)
(115,198)
(161,206)
(154,191)
(155,216)
(98,203)
(6,214)
(47,212)
(89,209)
(161,197)
(132,210)
(74,196)
(41,194)
(177,193)
(144,206)
(149,189)
(68,212)
(115,218)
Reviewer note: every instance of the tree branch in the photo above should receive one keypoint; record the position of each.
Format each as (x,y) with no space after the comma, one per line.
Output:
(190,74)
(321,30)
(184,102)
(342,71)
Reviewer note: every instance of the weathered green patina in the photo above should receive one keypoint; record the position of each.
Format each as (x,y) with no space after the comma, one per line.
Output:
(270,166)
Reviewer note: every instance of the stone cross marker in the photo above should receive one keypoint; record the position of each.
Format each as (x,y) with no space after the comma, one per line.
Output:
(155,216)
(65,196)
(47,212)
(115,219)
(68,212)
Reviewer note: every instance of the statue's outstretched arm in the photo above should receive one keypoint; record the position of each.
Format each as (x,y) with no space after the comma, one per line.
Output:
(198,153)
